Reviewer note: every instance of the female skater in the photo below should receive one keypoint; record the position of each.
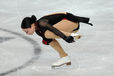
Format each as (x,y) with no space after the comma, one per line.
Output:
(53,26)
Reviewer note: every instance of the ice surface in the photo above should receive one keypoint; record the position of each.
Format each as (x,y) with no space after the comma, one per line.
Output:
(92,55)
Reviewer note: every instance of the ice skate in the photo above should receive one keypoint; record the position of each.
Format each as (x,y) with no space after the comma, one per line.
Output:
(78,37)
(75,35)
(64,60)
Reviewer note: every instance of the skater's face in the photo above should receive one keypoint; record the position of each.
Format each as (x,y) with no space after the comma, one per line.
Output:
(30,30)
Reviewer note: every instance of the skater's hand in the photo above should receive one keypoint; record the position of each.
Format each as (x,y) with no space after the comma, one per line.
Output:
(69,39)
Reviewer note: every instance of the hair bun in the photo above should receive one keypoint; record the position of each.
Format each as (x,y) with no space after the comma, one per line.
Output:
(33,18)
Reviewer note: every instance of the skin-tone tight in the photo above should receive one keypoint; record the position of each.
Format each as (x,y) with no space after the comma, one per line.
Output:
(66,27)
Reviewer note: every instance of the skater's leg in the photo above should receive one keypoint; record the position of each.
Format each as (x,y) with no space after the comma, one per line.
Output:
(66,25)
(54,44)
(64,56)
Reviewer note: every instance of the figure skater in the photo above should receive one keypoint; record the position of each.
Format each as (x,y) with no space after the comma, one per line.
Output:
(53,26)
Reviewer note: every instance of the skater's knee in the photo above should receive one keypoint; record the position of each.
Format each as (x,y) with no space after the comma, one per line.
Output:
(48,34)
(47,41)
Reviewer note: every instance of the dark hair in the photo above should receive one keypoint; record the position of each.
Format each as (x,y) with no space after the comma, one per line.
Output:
(27,21)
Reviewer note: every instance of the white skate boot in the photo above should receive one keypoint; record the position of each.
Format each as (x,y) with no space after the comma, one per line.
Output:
(77,36)
(64,60)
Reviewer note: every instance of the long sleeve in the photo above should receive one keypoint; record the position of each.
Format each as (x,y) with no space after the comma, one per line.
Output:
(44,23)
(74,18)
(39,33)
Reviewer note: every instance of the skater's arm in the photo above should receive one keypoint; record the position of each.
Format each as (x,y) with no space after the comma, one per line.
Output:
(39,33)
(72,17)
(76,19)
(44,23)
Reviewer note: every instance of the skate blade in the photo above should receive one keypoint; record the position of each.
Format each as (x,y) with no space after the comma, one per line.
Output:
(69,63)
(78,37)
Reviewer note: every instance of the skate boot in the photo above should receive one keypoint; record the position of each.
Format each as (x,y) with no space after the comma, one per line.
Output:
(77,36)
(64,60)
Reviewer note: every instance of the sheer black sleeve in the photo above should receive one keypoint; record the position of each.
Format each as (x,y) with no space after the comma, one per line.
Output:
(75,18)
(39,33)
(44,23)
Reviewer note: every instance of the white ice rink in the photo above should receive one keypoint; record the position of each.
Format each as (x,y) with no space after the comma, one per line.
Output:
(24,55)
